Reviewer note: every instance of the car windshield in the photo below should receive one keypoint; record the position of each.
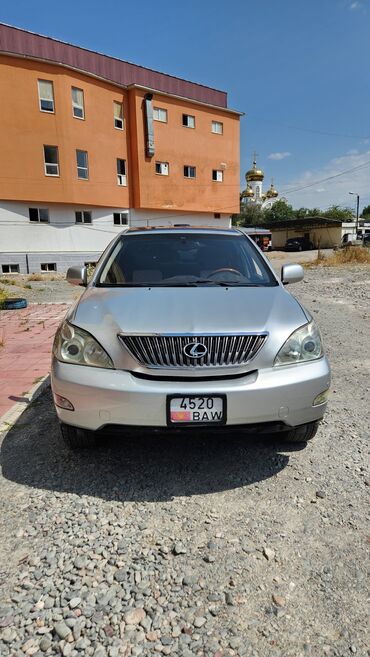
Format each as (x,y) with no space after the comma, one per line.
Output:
(185,259)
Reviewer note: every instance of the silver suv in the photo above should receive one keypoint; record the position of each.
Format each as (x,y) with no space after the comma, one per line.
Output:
(188,328)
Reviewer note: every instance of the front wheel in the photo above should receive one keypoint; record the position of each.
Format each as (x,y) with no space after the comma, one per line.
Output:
(76,438)
(301,434)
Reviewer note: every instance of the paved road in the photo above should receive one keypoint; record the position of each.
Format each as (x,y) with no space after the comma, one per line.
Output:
(27,336)
(196,546)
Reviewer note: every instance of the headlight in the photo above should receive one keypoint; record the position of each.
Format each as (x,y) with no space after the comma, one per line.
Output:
(74,345)
(303,345)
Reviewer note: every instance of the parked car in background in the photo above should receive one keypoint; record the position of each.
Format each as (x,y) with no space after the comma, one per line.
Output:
(188,328)
(352,239)
(298,244)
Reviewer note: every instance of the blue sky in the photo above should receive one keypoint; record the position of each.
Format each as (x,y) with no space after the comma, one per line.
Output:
(299,69)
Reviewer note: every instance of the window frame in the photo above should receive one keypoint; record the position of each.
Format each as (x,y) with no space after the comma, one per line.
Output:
(190,166)
(160,173)
(48,266)
(77,105)
(10,265)
(38,220)
(117,102)
(78,150)
(53,164)
(119,215)
(46,111)
(217,132)
(121,177)
(217,171)
(160,109)
(188,116)
(83,217)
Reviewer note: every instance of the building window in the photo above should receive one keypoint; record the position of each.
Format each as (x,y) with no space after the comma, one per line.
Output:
(162,168)
(10,269)
(48,266)
(78,109)
(217,175)
(160,114)
(217,215)
(121,172)
(120,218)
(46,95)
(188,121)
(82,165)
(118,115)
(39,215)
(189,172)
(51,161)
(83,217)
(217,127)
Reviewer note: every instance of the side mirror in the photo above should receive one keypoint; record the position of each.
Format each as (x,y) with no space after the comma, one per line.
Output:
(291,274)
(77,276)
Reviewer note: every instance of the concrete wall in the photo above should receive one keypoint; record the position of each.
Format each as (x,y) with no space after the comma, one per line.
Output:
(66,243)
(169,218)
(329,236)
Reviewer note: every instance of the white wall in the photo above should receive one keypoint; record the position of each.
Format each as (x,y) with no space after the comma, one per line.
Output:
(169,218)
(62,234)
(18,233)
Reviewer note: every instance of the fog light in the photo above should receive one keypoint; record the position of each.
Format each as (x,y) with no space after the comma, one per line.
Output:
(321,398)
(62,402)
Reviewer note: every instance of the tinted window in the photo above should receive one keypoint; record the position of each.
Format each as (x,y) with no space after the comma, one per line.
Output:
(185,259)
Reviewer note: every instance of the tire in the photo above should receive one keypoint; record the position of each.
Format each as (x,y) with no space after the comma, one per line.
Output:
(14,304)
(301,434)
(76,438)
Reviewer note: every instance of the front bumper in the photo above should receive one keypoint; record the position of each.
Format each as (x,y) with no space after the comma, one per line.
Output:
(115,397)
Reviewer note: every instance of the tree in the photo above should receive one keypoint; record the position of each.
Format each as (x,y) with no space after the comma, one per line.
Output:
(278,212)
(336,212)
(250,215)
(366,211)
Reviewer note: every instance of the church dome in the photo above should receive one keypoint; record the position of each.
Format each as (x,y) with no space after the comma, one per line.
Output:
(254,174)
(249,193)
(272,192)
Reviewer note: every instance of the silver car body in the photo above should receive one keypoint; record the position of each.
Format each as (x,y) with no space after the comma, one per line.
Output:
(136,394)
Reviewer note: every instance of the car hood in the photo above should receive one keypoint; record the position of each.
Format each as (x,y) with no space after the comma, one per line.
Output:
(107,312)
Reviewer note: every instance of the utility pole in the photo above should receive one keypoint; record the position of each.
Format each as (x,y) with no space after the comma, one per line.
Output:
(357,208)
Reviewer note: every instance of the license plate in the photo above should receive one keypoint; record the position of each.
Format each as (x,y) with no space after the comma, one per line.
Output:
(196,410)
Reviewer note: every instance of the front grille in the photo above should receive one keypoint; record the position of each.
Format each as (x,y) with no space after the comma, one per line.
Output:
(168,350)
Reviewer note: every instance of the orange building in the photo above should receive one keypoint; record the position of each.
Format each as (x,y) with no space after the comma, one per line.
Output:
(91,143)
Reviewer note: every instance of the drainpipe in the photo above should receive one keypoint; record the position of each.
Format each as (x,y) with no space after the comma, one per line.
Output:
(149,131)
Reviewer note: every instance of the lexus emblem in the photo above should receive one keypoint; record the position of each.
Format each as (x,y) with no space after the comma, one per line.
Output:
(195,350)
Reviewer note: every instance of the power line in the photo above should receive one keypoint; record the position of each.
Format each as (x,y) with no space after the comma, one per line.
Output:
(317,182)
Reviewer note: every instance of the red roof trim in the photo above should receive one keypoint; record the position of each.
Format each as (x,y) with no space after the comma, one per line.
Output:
(16,41)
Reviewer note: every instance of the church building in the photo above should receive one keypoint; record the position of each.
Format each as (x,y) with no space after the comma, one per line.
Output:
(254,194)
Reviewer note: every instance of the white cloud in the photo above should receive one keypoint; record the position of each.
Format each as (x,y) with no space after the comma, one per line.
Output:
(278,156)
(355,5)
(352,151)
(324,193)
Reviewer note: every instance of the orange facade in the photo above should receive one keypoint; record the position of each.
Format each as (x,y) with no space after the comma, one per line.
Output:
(25,130)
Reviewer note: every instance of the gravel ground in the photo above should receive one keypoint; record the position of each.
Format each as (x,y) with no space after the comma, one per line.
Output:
(210,546)
(51,289)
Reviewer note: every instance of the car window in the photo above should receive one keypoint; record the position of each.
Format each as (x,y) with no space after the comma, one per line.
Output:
(185,259)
